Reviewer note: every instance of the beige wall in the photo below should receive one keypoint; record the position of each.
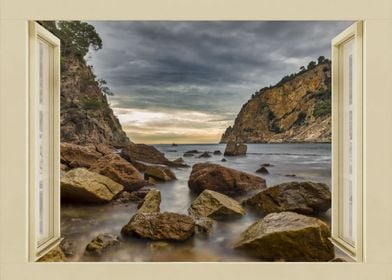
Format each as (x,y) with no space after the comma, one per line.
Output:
(377,141)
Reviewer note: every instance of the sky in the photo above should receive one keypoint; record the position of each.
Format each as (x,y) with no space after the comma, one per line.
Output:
(185,82)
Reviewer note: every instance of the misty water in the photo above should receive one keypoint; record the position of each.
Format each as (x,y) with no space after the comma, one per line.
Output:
(80,224)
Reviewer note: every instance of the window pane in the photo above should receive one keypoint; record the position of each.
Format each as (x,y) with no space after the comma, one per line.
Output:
(42,143)
(348,140)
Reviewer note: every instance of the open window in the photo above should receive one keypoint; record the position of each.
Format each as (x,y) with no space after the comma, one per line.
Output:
(44,143)
(347,226)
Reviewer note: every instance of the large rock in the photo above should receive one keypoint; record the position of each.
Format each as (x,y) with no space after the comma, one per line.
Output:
(101,244)
(208,176)
(215,205)
(75,156)
(55,255)
(120,171)
(300,197)
(160,226)
(160,173)
(234,148)
(143,153)
(81,185)
(287,236)
(151,202)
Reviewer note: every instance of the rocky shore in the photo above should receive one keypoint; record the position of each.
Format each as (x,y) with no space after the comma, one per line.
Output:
(287,227)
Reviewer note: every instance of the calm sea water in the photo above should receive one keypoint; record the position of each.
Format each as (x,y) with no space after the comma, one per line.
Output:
(80,224)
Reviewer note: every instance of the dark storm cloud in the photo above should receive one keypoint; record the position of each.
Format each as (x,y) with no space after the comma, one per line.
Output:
(209,67)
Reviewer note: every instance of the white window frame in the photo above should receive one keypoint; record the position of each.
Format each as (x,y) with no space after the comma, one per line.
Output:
(355,250)
(38,248)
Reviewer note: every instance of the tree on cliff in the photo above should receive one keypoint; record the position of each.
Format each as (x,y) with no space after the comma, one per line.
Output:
(76,37)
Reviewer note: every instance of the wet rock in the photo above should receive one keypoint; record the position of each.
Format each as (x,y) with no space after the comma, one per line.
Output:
(151,181)
(144,153)
(160,173)
(159,246)
(139,195)
(234,148)
(81,185)
(104,149)
(215,205)
(151,202)
(188,154)
(204,155)
(290,175)
(67,247)
(120,171)
(208,176)
(217,153)
(204,225)
(63,169)
(287,236)
(55,255)
(101,244)
(75,156)
(266,165)
(262,170)
(160,226)
(300,197)
(192,152)
(179,162)
(223,159)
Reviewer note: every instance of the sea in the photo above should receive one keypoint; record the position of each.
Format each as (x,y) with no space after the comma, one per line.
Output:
(289,162)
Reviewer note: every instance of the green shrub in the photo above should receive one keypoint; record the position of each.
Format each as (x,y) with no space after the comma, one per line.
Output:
(92,105)
(322,108)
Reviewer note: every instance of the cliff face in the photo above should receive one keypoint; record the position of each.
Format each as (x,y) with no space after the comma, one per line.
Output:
(86,117)
(297,109)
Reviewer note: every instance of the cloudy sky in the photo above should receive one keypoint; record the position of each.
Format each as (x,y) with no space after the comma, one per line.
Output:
(185,82)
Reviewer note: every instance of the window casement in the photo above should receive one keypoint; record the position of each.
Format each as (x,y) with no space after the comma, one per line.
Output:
(44,140)
(347,166)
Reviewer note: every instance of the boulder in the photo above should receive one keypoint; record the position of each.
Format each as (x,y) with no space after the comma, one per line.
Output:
(75,156)
(135,196)
(215,205)
(287,236)
(160,226)
(300,197)
(67,247)
(262,170)
(144,153)
(160,173)
(209,176)
(217,153)
(120,171)
(234,148)
(105,149)
(179,162)
(204,155)
(151,202)
(100,244)
(223,159)
(55,255)
(81,185)
(204,225)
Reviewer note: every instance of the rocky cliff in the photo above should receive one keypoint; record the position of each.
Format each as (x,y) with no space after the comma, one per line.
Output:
(297,109)
(86,117)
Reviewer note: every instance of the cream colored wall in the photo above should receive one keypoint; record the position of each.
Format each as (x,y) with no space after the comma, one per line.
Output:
(377,142)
